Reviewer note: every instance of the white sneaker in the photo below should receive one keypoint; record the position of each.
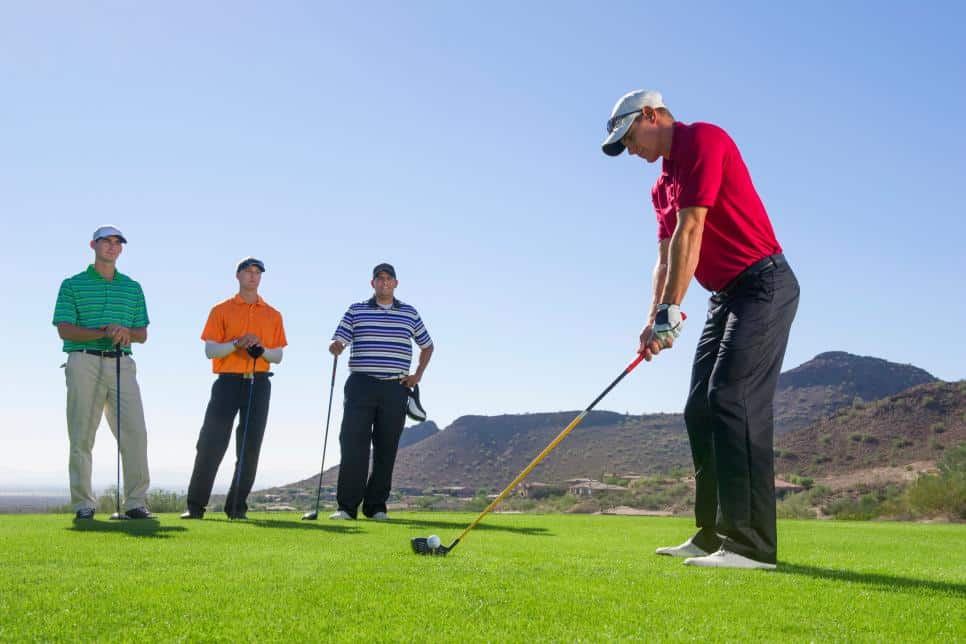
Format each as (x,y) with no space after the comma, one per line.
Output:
(724,559)
(380,516)
(686,549)
(341,515)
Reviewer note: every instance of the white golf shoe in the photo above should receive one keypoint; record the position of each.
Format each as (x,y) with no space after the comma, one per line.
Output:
(380,516)
(686,549)
(725,559)
(341,515)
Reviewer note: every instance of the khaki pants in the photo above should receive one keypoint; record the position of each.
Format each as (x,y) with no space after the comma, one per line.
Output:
(92,390)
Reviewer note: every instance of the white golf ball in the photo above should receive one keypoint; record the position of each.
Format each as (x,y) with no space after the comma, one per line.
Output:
(432,541)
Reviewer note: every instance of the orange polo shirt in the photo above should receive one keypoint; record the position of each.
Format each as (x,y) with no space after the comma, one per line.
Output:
(233,318)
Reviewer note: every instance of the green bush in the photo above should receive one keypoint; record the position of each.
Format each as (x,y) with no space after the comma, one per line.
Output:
(938,428)
(945,492)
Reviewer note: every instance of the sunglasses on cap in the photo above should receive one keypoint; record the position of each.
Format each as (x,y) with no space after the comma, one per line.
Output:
(618,121)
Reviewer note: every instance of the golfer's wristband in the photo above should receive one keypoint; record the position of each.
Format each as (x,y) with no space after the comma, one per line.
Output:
(273,355)
(218,349)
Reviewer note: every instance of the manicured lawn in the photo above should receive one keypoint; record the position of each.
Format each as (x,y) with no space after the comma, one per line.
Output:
(515,577)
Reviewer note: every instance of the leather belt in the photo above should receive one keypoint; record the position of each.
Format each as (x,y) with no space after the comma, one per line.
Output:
(101,354)
(762,265)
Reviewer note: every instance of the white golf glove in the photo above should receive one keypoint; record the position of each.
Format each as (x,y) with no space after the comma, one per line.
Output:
(667,324)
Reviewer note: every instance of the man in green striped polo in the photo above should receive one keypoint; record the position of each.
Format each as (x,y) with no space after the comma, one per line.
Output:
(96,311)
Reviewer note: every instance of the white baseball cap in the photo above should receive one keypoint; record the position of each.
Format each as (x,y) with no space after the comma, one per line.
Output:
(623,115)
(108,231)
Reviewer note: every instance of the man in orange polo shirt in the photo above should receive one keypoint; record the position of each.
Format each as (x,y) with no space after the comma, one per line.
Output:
(242,336)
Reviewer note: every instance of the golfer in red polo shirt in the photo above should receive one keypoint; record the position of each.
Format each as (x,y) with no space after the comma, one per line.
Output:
(713,226)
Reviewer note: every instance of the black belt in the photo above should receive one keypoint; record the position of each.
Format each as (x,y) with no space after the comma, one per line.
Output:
(248,376)
(102,354)
(759,267)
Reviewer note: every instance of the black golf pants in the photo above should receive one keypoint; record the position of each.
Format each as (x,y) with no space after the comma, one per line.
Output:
(229,398)
(374,414)
(729,413)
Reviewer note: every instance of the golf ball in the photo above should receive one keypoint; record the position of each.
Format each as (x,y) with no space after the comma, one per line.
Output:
(432,541)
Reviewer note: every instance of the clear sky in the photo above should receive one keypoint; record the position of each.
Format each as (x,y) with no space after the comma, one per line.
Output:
(459,141)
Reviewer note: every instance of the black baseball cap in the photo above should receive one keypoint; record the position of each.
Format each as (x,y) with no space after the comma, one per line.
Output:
(384,268)
(250,261)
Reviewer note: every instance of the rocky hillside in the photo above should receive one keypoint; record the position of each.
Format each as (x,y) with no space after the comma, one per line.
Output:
(835,380)
(488,451)
(914,425)
(838,413)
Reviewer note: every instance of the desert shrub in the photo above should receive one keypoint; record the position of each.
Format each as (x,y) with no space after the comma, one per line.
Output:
(805,481)
(944,492)
(821,458)
(935,444)
(902,442)
(825,439)
(795,506)
(855,437)
(938,428)
(164,501)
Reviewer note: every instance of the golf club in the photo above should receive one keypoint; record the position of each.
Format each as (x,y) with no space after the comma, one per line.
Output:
(241,450)
(314,514)
(117,516)
(420,544)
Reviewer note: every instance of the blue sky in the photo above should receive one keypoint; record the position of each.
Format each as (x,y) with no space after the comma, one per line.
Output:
(461,143)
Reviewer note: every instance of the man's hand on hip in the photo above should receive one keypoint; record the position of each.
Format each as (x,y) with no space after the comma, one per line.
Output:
(412,380)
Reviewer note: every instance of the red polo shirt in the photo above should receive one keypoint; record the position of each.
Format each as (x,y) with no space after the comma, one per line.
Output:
(706,169)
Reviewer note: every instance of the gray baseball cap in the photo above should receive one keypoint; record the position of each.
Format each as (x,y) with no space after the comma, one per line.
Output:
(622,117)
(108,231)
(250,261)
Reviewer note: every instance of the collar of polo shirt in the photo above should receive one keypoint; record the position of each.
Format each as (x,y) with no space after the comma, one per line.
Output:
(372,302)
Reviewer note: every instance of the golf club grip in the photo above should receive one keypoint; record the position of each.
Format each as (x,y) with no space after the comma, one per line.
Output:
(549,448)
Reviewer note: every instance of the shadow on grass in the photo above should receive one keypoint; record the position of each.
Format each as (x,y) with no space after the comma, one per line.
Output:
(341,527)
(150,528)
(423,523)
(885,582)
(349,527)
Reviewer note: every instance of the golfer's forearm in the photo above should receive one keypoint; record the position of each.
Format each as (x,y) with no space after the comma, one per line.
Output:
(218,349)
(424,357)
(657,288)
(683,254)
(75,333)
(273,355)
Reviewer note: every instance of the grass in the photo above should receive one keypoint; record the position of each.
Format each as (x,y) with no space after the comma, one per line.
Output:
(515,577)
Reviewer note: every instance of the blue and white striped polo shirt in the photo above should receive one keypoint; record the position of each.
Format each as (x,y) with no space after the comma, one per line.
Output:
(380,337)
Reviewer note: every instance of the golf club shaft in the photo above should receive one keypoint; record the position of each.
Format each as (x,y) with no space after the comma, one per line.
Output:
(241,451)
(549,448)
(117,411)
(325,439)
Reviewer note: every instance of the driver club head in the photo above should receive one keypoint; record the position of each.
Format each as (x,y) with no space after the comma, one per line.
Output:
(310,516)
(421,547)
(117,516)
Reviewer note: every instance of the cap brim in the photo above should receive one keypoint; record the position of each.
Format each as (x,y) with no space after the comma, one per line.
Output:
(612,145)
(121,237)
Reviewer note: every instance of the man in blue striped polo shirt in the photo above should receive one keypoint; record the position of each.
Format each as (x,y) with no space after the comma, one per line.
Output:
(97,310)
(380,331)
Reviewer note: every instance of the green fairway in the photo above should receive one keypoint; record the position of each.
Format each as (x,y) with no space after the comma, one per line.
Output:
(515,577)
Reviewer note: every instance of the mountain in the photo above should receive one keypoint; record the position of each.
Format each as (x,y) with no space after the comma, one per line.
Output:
(489,451)
(918,424)
(834,380)
(837,412)
(414,434)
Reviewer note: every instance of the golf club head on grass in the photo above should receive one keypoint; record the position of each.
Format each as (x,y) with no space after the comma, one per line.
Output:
(117,516)
(310,516)
(421,547)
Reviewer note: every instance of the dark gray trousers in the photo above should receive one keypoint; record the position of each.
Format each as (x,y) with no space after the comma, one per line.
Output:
(729,413)
(229,398)
(374,414)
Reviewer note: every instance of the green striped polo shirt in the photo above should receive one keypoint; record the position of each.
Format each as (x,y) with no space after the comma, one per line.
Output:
(90,301)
